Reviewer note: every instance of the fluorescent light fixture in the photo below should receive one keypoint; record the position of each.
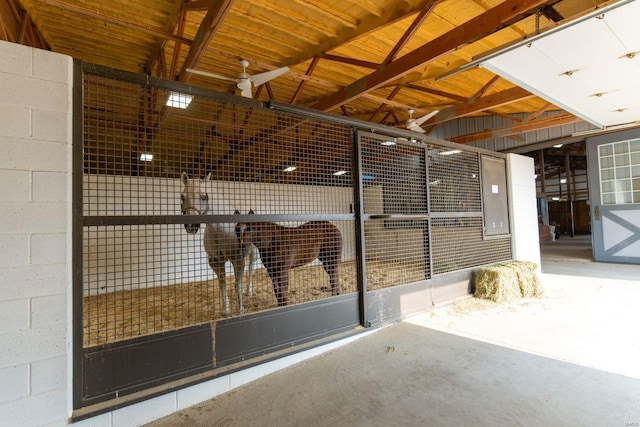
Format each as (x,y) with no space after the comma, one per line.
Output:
(435,182)
(450,152)
(587,67)
(388,143)
(146,157)
(555,199)
(563,180)
(557,146)
(340,173)
(290,169)
(179,100)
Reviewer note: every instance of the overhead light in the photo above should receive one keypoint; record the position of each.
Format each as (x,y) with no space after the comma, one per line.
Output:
(563,181)
(340,173)
(146,157)
(450,152)
(179,100)
(388,143)
(557,146)
(555,199)
(290,169)
(435,182)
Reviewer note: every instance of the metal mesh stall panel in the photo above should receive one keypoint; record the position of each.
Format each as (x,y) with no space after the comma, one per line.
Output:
(169,180)
(395,207)
(454,180)
(457,243)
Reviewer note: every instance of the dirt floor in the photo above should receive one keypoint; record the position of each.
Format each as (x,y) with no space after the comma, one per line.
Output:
(126,314)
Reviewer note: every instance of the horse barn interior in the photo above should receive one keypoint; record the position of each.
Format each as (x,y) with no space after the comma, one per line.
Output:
(198,193)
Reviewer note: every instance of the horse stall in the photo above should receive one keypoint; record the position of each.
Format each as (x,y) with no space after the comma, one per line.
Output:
(213,232)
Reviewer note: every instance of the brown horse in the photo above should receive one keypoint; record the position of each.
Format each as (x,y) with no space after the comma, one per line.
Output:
(283,248)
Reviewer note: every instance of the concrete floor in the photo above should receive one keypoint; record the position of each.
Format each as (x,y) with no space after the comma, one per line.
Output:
(569,358)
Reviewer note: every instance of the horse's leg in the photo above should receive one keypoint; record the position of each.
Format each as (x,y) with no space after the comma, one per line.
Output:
(276,280)
(218,267)
(238,270)
(252,253)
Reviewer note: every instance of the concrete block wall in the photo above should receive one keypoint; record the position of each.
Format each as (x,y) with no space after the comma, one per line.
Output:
(523,210)
(35,235)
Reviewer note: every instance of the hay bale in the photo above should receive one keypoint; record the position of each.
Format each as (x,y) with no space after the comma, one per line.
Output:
(507,282)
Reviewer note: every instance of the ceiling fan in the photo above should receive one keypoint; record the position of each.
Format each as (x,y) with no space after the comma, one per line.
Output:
(245,82)
(414,124)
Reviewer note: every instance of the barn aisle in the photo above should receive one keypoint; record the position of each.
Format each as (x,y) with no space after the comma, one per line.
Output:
(568,358)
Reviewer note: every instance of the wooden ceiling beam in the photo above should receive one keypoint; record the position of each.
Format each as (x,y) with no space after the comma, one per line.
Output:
(390,15)
(351,61)
(483,89)
(302,84)
(393,93)
(485,24)
(543,123)
(439,93)
(210,23)
(117,21)
(495,100)
(422,16)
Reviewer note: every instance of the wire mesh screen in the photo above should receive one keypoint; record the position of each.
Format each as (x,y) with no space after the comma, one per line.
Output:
(457,243)
(454,180)
(169,181)
(395,201)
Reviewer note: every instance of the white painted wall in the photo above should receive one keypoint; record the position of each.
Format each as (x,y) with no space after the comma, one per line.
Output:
(35,235)
(523,210)
(122,258)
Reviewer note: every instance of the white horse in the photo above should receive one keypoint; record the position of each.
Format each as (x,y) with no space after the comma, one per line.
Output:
(221,240)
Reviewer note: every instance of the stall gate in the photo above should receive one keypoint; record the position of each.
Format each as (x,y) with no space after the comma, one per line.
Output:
(310,224)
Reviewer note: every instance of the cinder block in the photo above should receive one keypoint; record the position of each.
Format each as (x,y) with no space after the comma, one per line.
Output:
(50,187)
(15,383)
(16,58)
(145,412)
(15,120)
(25,91)
(48,375)
(49,125)
(28,281)
(47,310)
(26,154)
(52,66)
(49,248)
(15,248)
(43,409)
(34,217)
(14,315)
(25,346)
(15,185)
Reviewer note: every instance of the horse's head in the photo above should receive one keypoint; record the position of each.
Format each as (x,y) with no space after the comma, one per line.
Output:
(194,199)
(248,232)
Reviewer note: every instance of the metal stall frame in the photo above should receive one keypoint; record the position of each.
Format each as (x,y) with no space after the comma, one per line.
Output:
(338,316)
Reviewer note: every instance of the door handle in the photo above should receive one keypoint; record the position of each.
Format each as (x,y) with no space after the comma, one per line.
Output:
(596,213)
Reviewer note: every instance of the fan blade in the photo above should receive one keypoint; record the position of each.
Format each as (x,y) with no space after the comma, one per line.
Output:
(415,127)
(423,119)
(212,75)
(262,78)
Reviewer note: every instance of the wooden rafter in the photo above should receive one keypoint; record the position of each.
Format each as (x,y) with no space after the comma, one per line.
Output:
(373,22)
(393,93)
(312,67)
(208,27)
(535,114)
(485,103)
(422,16)
(351,61)
(439,93)
(543,123)
(501,16)
(483,89)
